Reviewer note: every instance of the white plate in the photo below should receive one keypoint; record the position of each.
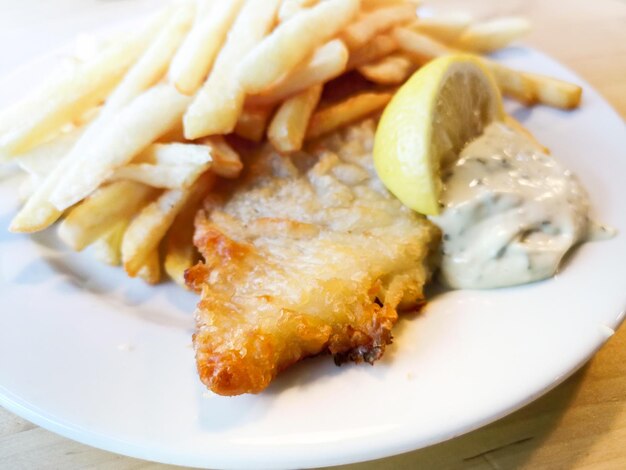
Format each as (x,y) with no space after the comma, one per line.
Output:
(107,361)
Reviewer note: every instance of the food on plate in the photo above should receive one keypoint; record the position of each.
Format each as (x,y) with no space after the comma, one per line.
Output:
(138,149)
(304,255)
(292,41)
(492,35)
(427,123)
(147,229)
(529,88)
(509,212)
(326,63)
(289,125)
(220,100)
(392,70)
(352,109)
(196,55)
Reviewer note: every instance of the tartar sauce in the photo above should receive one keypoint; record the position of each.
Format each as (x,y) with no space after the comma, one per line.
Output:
(510,212)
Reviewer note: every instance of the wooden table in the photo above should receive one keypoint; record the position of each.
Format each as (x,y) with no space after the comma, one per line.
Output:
(582,423)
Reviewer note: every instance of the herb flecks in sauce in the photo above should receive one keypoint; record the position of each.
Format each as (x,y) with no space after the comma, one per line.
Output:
(511,213)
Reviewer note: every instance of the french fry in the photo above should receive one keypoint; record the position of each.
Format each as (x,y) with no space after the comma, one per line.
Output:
(154,61)
(488,36)
(292,42)
(531,88)
(289,125)
(345,112)
(185,163)
(203,8)
(108,248)
(553,92)
(226,161)
(41,161)
(391,70)
(38,213)
(219,101)
(289,8)
(419,46)
(374,4)
(180,252)
(328,62)
(175,135)
(175,154)
(141,122)
(150,272)
(100,212)
(71,93)
(511,82)
(253,121)
(194,59)
(147,229)
(445,28)
(369,25)
(378,48)
(160,176)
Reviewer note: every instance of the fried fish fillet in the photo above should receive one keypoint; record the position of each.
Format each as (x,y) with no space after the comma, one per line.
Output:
(304,255)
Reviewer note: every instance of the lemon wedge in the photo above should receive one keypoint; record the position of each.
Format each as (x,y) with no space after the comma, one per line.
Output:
(441,108)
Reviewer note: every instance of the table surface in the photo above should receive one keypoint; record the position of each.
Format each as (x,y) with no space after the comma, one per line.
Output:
(580,424)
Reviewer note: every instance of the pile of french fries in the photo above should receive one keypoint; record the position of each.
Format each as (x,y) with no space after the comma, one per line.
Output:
(124,146)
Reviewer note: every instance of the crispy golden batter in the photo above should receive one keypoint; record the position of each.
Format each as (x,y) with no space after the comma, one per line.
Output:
(305,255)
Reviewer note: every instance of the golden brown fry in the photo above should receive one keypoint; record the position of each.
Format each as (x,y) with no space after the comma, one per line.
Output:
(180,252)
(289,126)
(328,62)
(379,47)
(253,122)
(175,135)
(554,92)
(292,42)
(150,272)
(374,4)
(194,59)
(353,109)
(489,36)
(226,161)
(99,213)
(369,25)
(392,70)
(531,88)
(219,102)
(148,228)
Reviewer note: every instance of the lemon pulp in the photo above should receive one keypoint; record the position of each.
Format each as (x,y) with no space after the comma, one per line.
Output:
(442,107)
